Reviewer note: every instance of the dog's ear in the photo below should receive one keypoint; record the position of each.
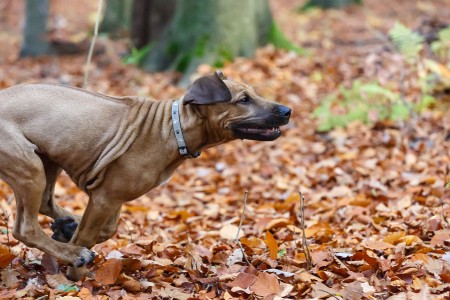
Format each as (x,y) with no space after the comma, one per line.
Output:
(208,89)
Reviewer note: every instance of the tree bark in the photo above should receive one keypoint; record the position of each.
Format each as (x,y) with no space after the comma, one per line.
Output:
(150,18)
(35,31)
(211,32)
(117,18)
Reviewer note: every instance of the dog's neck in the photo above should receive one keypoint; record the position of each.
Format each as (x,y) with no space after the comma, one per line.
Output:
(193,128)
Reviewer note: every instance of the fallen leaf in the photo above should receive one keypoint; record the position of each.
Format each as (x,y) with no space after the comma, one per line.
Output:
(109,271)
(55,280)
(440,237)
(393,238)
(272,245)
(6,257)
(173,293)
(235,257)
(378,245)
(399,296)
(253,243)
(265,285)
(230,231)
(7,294)
(320,290)
(243,280)
(9,278)
(85,294)
(321,258)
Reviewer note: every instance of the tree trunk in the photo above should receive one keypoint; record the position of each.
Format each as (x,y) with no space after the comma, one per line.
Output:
(210,32)
(150,18)
(117,18)
(35,32)
(330,3)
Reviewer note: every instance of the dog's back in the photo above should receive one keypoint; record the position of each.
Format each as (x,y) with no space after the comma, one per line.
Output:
(74,121)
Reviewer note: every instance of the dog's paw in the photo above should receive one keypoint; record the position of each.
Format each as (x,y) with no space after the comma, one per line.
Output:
(85,258)
(63,229)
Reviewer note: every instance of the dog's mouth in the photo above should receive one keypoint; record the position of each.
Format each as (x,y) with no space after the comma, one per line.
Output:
(256,132)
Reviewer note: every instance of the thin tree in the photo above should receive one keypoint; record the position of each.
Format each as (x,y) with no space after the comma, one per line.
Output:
(35,41)
(210,32)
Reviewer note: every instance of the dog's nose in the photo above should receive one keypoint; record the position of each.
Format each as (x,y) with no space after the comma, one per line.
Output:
(284,111)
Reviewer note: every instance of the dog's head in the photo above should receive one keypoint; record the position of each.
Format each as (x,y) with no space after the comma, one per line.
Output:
(235,110)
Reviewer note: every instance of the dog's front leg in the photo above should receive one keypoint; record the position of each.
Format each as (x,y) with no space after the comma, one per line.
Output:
(99,211)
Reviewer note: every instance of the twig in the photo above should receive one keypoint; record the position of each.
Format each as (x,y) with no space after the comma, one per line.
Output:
(190,248)
(446,186)
(91,49)
(338,260)
(239,228)
(247,179)
(128,229)
(332,295)
(304,241)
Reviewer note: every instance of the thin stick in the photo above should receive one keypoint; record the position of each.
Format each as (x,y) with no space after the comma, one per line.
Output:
(326,292)
(91,49)
(239,228)
(191,249)
(304,241)
(128,229)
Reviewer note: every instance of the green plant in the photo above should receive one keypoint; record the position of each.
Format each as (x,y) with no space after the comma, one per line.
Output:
(137,56)
(279,40)
(407,42)
(441,47)
(365,102)
(369,102)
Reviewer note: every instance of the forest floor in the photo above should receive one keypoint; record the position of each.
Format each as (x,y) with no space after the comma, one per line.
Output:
(377,212)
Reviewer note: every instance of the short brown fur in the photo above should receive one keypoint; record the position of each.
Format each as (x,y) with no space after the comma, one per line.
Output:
(115,149)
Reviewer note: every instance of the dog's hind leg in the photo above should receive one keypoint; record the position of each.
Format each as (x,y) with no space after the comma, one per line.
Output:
(64,228)
(48,206)
(65,223)
(24,171)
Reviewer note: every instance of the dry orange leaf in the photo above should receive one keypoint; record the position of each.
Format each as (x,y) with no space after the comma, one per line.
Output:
(361,200)
(253,243)
(322,227)
(281,222)
(394,237)
(84,293)
(243,280)
(109,271)
(410,239)
(230,232)
(272,245)
(440,237)
(378,245)
(420,257)
(321,258)
(266,285)
(5,256)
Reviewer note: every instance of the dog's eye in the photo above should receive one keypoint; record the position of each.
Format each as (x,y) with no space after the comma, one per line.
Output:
(245,99)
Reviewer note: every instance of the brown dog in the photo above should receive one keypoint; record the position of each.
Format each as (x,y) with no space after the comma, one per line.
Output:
(115,149)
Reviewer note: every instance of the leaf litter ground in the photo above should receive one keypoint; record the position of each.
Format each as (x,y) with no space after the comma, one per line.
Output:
(377,210)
